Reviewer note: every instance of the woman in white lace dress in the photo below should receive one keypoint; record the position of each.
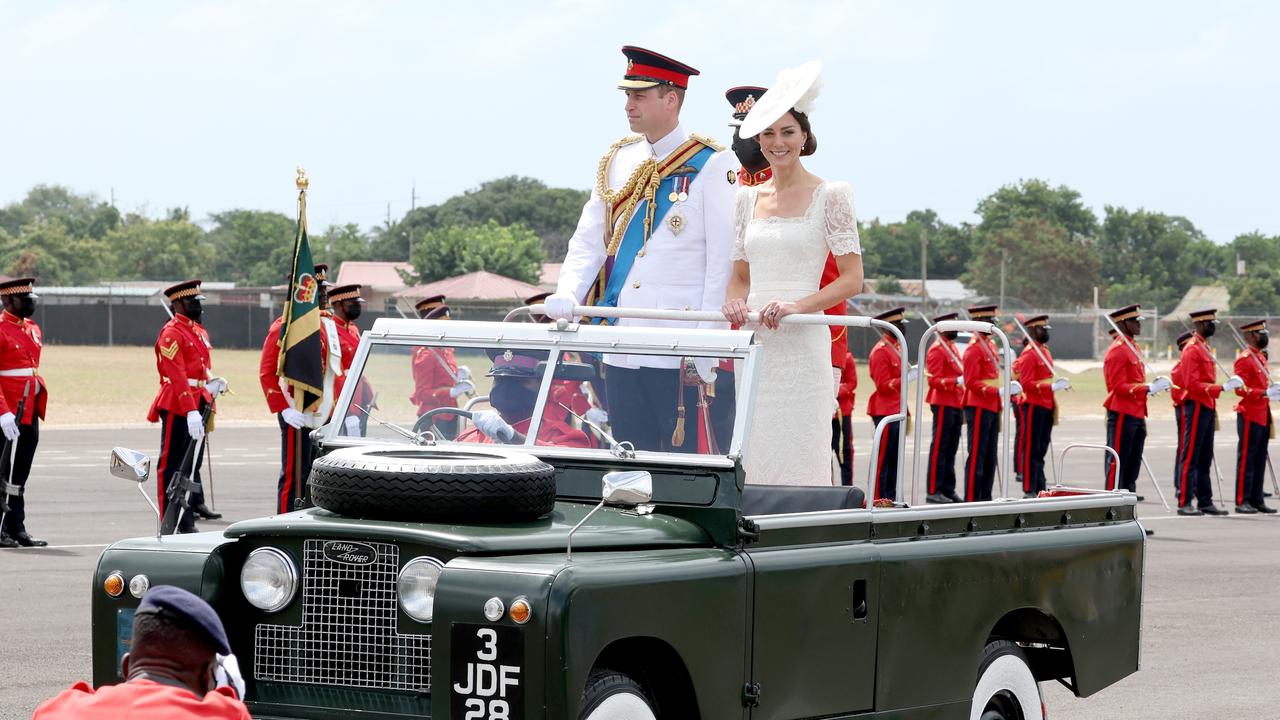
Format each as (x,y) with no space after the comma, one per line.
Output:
(785,228)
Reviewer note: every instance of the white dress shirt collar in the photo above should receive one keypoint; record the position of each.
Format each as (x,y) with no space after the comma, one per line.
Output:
(668,143)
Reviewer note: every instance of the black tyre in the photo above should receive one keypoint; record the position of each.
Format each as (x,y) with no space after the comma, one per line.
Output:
(615,696)
(428,484)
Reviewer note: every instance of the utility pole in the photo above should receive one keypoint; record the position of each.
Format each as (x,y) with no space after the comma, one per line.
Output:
(924,269)
(1004,260)
(413,204)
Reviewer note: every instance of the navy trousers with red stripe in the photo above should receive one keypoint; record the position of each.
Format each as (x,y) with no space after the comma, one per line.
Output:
(295,448)
(980,468)
(23,454)
(887,459)
(175,441)
(1251,461)
(1127,435)
(1035,428)
(1195,453)
(842,446)
(947,422)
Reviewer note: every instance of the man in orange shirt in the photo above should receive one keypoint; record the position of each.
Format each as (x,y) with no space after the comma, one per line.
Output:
(23,396)
(1253,419)
(179,667)
(885,366)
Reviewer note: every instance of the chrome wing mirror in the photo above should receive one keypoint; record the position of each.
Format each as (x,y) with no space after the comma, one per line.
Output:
(135,466)
(628,488)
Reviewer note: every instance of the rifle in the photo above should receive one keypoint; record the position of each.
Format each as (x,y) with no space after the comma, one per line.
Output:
(1129,342)
(1035,348)
(1212,354)
(10,453)
(1245,347)
(184,484)
(950,350)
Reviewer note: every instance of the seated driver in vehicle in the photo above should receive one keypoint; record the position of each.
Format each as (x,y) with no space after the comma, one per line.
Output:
(517,375)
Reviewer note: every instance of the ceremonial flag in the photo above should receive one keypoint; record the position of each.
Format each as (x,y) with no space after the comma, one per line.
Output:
(301,362)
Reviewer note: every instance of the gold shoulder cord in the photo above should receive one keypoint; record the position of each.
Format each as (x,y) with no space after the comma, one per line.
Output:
(647,171)
(709,142)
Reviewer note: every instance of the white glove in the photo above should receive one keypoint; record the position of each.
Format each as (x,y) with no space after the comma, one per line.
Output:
(835,376)
(9,423)
(706,368)
(227,674)
(195,425)
(464,372)
(1232,383)
(597,416)
(216,385)
(492,425)
(463,386)
(959,381)
(1273,392)
(292,418)
(559,306)
(1159,385)
(913,372)
(1060,384)
(1015,388)
(353,426)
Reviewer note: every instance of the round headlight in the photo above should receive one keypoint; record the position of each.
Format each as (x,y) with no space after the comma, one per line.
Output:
(139,585)
(268,579)
(417,587)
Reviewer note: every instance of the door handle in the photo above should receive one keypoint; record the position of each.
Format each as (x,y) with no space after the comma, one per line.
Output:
(859,606)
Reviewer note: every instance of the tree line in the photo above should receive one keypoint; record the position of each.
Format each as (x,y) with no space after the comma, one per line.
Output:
(1040,242)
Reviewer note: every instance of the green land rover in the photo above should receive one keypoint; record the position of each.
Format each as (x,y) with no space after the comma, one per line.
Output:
(547,577)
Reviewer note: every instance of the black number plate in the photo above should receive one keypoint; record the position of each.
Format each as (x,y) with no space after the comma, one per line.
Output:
(487,673)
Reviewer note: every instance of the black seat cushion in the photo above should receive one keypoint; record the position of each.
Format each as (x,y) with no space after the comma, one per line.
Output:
(779,499)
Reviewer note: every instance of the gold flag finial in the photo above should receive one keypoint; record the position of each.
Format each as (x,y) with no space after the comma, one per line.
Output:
(302,180)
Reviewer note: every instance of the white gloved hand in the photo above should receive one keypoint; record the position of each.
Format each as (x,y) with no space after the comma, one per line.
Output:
(227,674)
(597,416)
(292,418)
(1015,388)
(706,368)
(1232,383)
(913,373)
(559,306)
(584,387)
(9,423)
(959,381)
(1060,384)
(217,385)
(352,425)
(1159,385)
(195,425)
(835,376)
(492,425)
(1273,392)
(464,372)
(463,386)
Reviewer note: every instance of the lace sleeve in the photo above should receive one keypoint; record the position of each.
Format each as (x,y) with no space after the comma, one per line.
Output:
(743,210)
(841,224)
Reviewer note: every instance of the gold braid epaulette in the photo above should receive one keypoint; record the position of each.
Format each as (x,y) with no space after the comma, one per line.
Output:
(709,142)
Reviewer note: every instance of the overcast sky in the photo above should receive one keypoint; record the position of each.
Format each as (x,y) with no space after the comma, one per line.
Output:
(1171,106)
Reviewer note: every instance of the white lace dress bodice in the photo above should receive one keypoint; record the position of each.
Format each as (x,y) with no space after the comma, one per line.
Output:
(790,438)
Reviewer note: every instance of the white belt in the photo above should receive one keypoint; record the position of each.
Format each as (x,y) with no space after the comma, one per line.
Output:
(195,383)
(18,372)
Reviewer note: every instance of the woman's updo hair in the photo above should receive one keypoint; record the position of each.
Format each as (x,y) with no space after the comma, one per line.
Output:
(811,143)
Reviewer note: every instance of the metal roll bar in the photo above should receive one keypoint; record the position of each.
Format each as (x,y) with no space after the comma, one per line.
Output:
(1062,459)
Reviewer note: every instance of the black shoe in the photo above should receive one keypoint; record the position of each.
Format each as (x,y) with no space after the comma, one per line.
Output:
(1212,510)
(954,497)
(1246,510)
(1189,510)
(1266,494)
(1141,498)
(25,540)
(203,512)
(937,499)
(187,530)
(7,542)
(1265,509)
(1030,495)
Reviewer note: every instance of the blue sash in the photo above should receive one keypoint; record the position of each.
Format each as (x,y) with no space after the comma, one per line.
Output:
(634,239)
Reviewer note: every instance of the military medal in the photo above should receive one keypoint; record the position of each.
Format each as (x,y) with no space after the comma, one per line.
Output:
(675,221)
(682,187)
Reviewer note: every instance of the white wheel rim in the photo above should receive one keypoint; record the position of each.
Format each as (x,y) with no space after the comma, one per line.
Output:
(1007,672)
(623,706)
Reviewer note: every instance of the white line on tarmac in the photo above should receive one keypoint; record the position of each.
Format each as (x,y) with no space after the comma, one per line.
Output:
(62,547)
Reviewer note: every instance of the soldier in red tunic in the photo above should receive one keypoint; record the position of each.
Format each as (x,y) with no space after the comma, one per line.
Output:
(1199,417)
(983,400)
(1253,419)
(885,366)
(21,389)
(438,380)
(945,371)
(347,306)
(187,389)
(513,397)
(1034,410)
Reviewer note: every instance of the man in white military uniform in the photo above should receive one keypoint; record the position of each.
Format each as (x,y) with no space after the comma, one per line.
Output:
(656,233)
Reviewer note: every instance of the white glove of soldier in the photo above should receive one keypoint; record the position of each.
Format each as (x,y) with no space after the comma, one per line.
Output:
(464,372)
(216,385)
(1232,383)
(463,386)
(1060,384)
(492,425)
(9,423)
(706,368)
(959,381)
(1273,392)
(1159,385)
(195,425)
(559,306)
(913,373)
(597,416)
(835,377)
(352,425)
(292,418)
(1015,388)
(227,674)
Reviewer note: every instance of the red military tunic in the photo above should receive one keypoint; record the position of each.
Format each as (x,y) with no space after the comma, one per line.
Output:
(267,376)
(1251,366)
(981,374)
(1200,373)
(848,385)
(839,333)
(1126,380)
(1177,393)
(20,343)
(1035,377)
(140,699)
(182,359)
(885,365)
(553,432)
(943,369)
(348,341)
(431,380)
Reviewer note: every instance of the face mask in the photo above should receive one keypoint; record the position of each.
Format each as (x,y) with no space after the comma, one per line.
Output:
(748,152)
(1262,341)
(26,307)
(193,310)
(512,399)
(1042,336)
(353,310)
(950,336)
(1208,329)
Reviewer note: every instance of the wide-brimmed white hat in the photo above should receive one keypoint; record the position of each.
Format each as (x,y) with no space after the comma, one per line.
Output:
(795,88)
